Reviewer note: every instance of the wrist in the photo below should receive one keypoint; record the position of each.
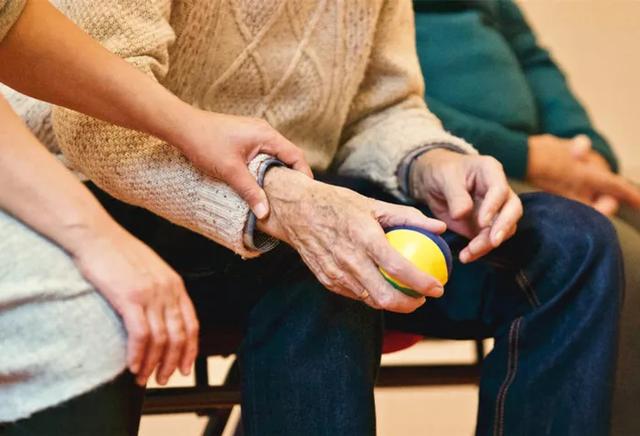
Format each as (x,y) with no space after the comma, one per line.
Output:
(535,148)
(84,236)
(420,165)
(286,190)
(178,125)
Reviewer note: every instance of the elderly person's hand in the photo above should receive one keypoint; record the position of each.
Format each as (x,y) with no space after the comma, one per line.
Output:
(339,235)
(470,194)
(158,315)
(569,167)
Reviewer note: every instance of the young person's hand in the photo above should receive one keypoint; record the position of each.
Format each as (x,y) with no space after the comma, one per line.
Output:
(222,145)
(470,193)
(569,167)
(150,297)
(339,235)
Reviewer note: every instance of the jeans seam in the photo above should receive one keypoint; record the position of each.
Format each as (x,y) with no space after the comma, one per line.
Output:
(512,368)
(525,285)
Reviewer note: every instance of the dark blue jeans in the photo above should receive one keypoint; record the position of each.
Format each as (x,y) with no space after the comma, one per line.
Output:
(550,297)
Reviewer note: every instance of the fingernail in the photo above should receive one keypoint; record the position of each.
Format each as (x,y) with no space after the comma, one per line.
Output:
(261,210)
(498,238)
(436,292)
(464,256)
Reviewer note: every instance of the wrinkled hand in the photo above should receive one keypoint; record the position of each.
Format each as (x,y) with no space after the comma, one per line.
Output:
(569,167)
(471,195)
(339,235)
(150,297)
(221,145)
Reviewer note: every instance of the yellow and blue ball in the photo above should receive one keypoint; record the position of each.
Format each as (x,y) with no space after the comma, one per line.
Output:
(427,251)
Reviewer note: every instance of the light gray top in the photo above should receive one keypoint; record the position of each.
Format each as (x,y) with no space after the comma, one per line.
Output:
(59,337)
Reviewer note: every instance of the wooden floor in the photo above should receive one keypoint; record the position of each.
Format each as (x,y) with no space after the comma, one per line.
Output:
(439,411)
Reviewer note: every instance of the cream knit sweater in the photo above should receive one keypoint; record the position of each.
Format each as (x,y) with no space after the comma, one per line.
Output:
(338,78)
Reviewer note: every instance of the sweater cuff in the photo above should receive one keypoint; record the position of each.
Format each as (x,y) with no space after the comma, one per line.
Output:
(10,11)
(220,211)
(253,238)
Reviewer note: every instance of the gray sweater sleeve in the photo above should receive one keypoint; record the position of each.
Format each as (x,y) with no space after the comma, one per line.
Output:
(10,10)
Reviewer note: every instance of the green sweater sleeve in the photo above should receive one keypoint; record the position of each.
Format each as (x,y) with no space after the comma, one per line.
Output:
(491,138)
(559,111)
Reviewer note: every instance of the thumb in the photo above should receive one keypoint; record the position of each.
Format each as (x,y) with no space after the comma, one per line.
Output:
(580,146)
(246,186)
(607,205)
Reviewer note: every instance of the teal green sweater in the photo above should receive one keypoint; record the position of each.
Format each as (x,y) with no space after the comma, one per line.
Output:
(490,83)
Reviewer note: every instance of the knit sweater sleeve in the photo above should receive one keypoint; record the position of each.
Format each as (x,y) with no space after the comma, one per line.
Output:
(388,118)
(10,11)
(137,168)
(561,114)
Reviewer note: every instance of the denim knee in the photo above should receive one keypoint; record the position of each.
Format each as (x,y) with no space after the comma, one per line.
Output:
(571,242)
(569,227)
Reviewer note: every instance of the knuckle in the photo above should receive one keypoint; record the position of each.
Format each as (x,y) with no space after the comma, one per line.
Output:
(385,300)
(393,269)
(194,329)
(297,153)
(179,338)
(491,161)
(160,338)
(176,280)
(140,334)
(163,282)
(350,261)
(140,293)
(335,275)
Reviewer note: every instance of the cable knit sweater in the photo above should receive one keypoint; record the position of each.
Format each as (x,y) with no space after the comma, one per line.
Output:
(339,78)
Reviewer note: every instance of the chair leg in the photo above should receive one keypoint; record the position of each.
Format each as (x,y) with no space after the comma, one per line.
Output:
(217,422)
(239,429)
(480,351)
(219,418)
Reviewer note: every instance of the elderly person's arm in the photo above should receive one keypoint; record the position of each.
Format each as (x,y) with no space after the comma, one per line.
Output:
(393,140)
(149,172)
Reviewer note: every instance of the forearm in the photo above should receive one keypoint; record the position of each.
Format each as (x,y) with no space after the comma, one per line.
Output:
(39,191)
(48,57)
